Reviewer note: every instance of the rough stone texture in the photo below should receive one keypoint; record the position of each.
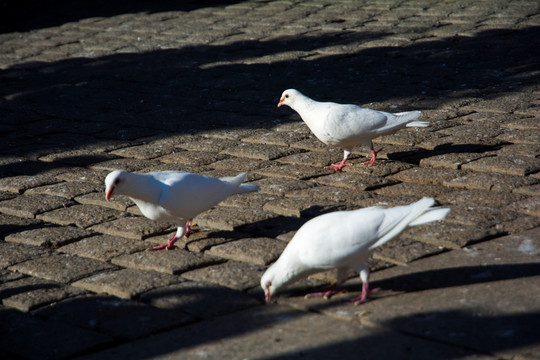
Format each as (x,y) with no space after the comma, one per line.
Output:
(126,283)
(83,216)
(11,253)
(137,228)
(49,236)
(68,190)
(61,268)
(30,293)
(171,262)
(113,316)
(238,276)
(31,205)
(202,300)
(281,332)
(260,251)
(103,247)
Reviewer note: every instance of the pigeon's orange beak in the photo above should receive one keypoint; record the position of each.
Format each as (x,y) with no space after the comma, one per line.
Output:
(108,193)
(280,102)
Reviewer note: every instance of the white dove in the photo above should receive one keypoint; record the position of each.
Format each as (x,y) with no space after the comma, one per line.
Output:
(174,195)
(343,240)
(345,126)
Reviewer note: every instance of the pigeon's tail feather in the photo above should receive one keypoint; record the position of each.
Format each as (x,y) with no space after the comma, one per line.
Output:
(418,124)
(430,215)
(408,115)
(397,224)
(236,183)
(247,188)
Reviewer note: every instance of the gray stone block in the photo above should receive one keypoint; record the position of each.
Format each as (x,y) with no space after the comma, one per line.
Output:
(49,236)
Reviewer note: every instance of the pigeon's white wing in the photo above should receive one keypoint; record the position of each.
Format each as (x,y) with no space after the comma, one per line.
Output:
(337,239)
(352,124)
(187,195)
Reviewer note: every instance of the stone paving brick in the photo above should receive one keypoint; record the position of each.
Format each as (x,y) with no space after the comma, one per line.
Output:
(126,283)
(104,247)
(530,206)
(240,164)
(49,236)
(11,253)
(449,235)
(426,175)
(60,267)
(234,275)
(115,317)
(48,338)
(202,240)
(509,165)
(276,137)
(30,293)
(315,158)
(531,150)
(259,251)
(145,152)
(132,227)
(6,276)
(324,193)
(83,216)
(21,183)
(490,181)
(229,218)
(123,164)
(202,300)
(381,168)
(83,174)
(414,190)
(311,143)
(293,171)
(256,331)
(403,251)
(77,157)
(305,207)
(355,181)
(29,206)
(281,186)
(451,160)
(170,262)
(260,151)
(120,202)
(521,136)
(68,190)
(198,158)
(201,143)
(253,200)
(532,190)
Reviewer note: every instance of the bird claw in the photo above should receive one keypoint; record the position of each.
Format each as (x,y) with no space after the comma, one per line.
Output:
(337,167)
(325,294)
(363,297)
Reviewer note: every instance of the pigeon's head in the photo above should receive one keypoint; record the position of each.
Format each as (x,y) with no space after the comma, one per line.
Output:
(288,97)
(114,183)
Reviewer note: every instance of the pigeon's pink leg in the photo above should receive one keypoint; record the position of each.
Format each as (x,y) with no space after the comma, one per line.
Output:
(325,294)
(338,167)
(365,292)
(173,238)
(342,164)
(373,156)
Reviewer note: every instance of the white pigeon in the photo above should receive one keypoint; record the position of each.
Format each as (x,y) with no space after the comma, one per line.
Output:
(346,126)
(174,196)
(343,240)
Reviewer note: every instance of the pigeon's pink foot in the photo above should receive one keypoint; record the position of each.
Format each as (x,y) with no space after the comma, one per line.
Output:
(167,246)
(365,292)
(373,157)
(189,229)
(325,294)
(338,167)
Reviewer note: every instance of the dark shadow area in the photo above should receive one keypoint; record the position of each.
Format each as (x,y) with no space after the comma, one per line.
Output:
(26,15)
(73,103)
(414,157)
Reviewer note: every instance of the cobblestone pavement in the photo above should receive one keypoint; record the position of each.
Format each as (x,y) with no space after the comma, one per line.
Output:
(89,87)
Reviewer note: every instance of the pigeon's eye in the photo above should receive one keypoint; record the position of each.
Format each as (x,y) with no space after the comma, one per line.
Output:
(117,181)
(286,96)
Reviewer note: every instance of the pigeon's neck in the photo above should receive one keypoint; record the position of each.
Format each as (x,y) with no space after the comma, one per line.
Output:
(304,105)
(289,270)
